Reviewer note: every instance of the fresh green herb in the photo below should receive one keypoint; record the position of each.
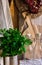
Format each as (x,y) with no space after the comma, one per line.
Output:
(12,43)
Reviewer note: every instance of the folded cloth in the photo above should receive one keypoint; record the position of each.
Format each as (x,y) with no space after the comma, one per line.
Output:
(22,7)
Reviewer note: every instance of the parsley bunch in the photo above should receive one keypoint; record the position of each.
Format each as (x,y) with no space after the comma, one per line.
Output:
(12,42)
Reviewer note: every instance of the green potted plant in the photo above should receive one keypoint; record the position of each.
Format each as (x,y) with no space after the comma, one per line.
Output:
(12,42)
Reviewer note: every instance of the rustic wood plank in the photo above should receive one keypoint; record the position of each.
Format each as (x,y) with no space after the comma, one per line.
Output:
(1,61)
(7,60)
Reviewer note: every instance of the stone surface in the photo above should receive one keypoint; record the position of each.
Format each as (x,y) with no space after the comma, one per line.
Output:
(31,62)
